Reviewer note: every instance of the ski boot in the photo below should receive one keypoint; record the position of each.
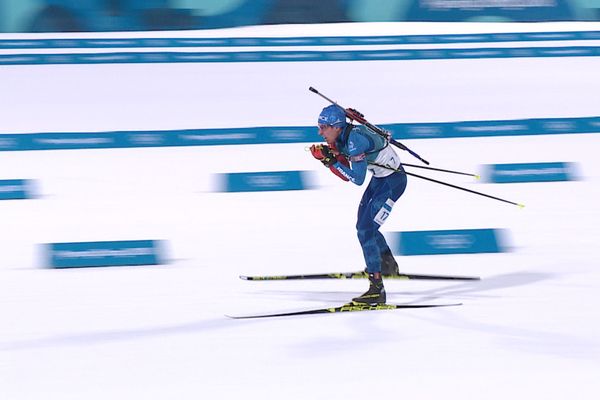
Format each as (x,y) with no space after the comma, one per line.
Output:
(376,292)
(389,266)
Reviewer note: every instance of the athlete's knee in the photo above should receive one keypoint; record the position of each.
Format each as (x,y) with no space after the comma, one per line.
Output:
(365,235)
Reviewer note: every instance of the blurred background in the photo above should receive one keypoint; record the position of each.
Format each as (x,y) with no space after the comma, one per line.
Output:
(145,15)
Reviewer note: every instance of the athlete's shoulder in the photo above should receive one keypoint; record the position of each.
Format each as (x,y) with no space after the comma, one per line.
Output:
(357,140)
(359,130)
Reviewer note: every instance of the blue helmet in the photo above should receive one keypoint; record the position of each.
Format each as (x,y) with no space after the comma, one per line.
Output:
(333,115)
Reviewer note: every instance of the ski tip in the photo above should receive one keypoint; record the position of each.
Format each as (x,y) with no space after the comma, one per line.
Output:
(478,177)
(429,305)
(235,316)
(521,206)
(469,278)
(245,278)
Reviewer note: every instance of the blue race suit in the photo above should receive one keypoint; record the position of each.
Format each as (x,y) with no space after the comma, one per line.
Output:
(363,147)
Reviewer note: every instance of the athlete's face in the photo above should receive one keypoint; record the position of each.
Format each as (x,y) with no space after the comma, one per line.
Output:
(329,133)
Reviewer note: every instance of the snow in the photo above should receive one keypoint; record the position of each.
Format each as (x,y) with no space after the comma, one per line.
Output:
(528,329)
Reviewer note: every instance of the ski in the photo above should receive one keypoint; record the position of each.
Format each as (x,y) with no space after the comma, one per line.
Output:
(349,307)
(356,275)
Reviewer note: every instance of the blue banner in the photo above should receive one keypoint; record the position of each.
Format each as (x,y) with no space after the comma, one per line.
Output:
(264,181)
(291,134)
(15,189)
(188,137)
(546,126)
(13,142)
(530,172)
(103,254)
(462,241)
(163,15)
(491,10)
(130,43)
(295,56)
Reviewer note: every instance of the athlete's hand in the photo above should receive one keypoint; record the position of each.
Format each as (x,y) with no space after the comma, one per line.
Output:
(323,153)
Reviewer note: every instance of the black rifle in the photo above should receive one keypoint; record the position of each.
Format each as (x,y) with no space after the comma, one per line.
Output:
(354,115)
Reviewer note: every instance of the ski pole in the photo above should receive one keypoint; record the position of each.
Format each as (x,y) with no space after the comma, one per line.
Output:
(354,115)
(442,170)
(449,184)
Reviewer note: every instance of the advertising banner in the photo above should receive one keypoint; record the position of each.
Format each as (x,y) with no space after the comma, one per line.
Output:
(530,172)
(15,189)
(461,241)
(103,254)
(264,181)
